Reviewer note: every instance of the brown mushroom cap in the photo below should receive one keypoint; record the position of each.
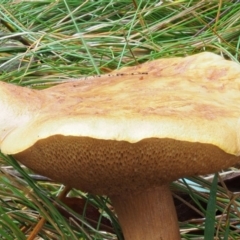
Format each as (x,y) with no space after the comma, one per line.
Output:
(149,125)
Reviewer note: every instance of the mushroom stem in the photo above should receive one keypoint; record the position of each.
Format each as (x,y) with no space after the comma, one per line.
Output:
(147,215)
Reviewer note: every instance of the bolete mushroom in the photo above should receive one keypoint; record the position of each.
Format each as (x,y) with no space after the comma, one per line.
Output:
(130,134)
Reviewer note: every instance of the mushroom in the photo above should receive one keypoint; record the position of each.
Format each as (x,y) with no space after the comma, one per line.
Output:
(128,135)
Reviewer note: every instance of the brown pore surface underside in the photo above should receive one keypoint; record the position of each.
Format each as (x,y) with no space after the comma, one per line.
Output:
(112,167)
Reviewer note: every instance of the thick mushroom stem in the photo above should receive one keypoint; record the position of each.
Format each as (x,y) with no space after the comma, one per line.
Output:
(147,215)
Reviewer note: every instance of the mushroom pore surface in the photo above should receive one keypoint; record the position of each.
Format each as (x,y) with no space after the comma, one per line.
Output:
(112,167)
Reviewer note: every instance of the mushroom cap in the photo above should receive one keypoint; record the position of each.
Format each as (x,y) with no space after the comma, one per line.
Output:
(166,118)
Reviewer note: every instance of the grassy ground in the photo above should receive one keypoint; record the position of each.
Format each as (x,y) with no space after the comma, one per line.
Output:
(46,42)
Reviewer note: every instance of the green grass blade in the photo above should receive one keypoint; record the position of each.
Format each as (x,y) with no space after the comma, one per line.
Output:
(209,230)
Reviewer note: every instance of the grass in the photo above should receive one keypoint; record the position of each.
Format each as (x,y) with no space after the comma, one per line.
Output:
(46,42)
